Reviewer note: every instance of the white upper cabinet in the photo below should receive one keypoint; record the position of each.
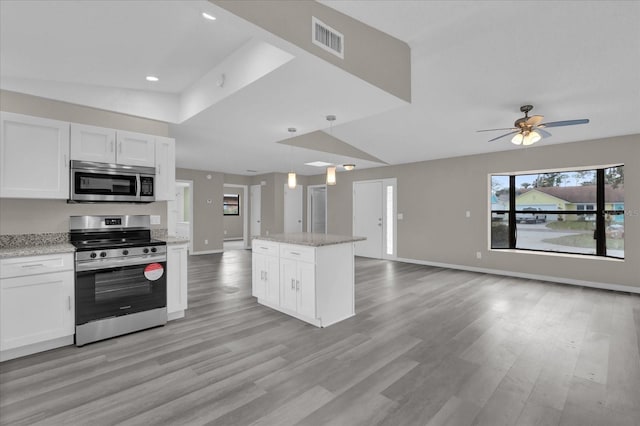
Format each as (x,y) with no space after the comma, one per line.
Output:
(165,169)
(90,143)
(34,157)
(135,149)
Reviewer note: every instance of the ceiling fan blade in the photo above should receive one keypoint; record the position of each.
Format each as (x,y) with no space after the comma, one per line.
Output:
(492,130)
(565,123)
(542,132)
(506,134)
(534,120)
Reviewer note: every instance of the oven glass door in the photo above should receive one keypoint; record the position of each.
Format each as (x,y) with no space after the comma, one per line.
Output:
(89,183)
(120,291)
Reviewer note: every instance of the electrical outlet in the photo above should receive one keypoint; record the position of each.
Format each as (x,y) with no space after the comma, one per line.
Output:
(225,232)
(206,242)
(468,213)
(478,255)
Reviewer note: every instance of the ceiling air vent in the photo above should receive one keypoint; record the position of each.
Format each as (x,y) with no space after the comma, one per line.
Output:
(327,38)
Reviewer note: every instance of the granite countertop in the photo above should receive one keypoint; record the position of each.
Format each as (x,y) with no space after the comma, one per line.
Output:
(174,240)
(36,250)
(311,239)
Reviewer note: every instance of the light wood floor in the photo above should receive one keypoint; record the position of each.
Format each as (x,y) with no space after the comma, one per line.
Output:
(428,346)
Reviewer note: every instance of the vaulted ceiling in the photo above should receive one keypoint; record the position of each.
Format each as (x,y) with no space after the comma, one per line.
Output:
(231,89)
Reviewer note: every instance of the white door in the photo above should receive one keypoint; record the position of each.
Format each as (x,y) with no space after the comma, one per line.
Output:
(293,209)
(255,192)
(368,218)
(317,208)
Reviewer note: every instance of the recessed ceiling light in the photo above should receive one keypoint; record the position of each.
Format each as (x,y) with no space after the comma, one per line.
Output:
(318,164)
(152,78)
(205,15)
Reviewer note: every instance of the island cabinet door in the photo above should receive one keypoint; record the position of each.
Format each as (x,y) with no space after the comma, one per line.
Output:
(258,282)
(305,285)
(272,279)
(288,291)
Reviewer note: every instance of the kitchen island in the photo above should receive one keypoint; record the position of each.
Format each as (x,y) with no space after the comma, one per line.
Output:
(308,276)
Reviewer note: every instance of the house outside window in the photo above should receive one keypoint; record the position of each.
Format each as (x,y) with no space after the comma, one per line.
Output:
(564,211)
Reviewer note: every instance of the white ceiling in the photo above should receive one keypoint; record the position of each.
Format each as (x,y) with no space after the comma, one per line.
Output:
(473,65)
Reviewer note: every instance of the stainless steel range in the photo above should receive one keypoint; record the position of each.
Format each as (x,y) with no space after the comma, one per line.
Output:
(121,284)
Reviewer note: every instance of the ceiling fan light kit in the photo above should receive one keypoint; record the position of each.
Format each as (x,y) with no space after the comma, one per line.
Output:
(529,130)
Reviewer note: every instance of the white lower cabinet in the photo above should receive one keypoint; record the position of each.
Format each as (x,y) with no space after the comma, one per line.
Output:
(266,277)
(315,284)
(177,279)
(298,287)
(37,307)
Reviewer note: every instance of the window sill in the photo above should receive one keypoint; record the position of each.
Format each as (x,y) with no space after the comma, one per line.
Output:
(565,255)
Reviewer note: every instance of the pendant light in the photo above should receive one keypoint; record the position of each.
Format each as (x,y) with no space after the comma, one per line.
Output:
(291,179)
(331,170)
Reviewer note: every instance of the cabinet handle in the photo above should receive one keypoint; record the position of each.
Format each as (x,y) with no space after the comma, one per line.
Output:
(261,275)
(159,172)
(120,148)
(32,265)
(297,285)
(66,162)
(293,283)
(295,252)
(69,302)
(111,145)
(265,276)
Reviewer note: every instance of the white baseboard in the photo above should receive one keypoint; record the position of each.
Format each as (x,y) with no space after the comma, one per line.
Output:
(603,286)
(206,252)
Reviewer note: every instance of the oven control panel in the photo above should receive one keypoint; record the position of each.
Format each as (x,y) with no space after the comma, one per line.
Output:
(121,253)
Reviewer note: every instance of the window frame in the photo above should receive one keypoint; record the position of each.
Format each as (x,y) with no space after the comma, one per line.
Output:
(226,204)
(600,212)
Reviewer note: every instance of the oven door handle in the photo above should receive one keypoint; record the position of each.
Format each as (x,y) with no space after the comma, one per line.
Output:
(95,265)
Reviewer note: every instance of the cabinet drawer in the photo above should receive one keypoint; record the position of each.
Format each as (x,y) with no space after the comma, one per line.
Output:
(265,247)
(304,254)
(33,265)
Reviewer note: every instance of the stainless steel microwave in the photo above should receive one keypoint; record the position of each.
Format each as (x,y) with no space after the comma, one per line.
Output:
(95,182)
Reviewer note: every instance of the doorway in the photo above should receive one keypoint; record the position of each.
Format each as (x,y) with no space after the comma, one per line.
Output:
(180,212)
(255,195)
(292,209)
(236,217)
(317,208)
(374,217)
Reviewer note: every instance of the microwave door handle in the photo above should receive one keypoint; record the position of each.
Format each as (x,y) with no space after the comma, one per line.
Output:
(138,186)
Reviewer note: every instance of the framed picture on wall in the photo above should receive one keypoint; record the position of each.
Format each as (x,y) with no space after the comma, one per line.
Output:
(231,205)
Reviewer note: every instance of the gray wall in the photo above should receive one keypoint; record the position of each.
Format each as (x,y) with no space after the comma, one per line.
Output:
(434,196)
(207,216)
(25,216)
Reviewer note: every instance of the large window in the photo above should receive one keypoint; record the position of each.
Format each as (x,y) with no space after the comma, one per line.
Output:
(576,211)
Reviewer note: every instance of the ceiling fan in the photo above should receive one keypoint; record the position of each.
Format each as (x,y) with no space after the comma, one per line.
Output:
(529,130)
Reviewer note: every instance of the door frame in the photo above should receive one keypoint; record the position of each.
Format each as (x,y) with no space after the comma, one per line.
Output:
(326,207)
(172,204)
(386,221)
(245,212)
